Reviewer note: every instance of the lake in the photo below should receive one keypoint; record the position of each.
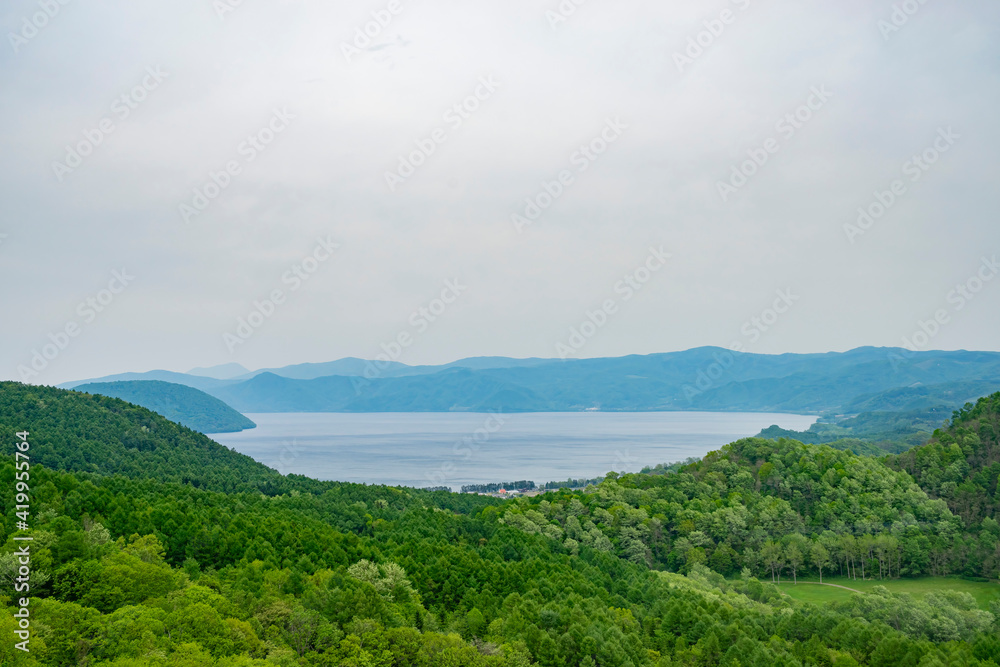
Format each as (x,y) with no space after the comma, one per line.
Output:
(452,449)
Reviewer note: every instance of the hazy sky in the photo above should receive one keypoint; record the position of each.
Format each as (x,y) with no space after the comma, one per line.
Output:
(183,86)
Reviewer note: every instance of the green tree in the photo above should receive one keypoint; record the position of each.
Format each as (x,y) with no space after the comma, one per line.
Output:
(773,557)
(820,557)
(794,557)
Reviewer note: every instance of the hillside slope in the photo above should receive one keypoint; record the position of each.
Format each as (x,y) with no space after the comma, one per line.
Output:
(186,405)
(871,433)
(99,434)
(961,464)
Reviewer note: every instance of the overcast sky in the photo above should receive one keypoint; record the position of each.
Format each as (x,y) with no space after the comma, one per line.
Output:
(338,112)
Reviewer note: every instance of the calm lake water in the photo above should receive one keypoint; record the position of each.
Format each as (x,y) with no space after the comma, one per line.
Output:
(452,449)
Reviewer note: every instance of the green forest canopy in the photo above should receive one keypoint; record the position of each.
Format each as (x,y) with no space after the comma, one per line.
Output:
(156,546)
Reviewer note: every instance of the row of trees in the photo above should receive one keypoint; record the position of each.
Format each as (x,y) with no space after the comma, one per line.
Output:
(844,552)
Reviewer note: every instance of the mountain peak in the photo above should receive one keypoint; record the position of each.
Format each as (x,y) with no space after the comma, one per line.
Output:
(220,372)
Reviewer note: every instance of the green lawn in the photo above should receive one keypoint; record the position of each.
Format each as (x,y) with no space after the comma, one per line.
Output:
(983,592)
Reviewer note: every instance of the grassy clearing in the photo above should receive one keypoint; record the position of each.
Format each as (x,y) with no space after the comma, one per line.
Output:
(813,592)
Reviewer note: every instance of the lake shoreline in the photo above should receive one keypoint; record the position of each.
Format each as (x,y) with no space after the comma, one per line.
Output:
(454,449)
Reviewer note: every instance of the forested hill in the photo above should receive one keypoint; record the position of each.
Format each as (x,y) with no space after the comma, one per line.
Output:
(961,464)
(98,434)
(154,547)
(786,507)
(186,405)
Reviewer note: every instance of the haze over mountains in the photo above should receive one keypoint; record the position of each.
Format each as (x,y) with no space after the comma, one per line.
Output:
(714,379)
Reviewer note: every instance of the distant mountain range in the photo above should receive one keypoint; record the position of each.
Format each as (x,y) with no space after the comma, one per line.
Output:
(222,371)
(711,379)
